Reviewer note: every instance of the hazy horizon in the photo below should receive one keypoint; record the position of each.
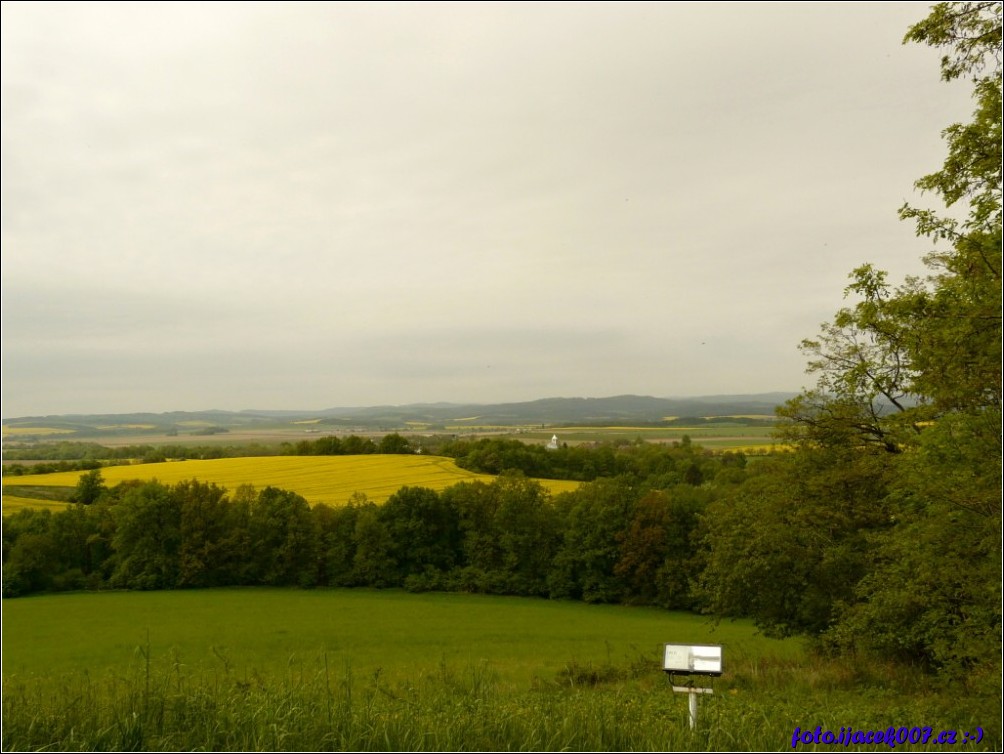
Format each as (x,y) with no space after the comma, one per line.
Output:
(305,410)
(355,204)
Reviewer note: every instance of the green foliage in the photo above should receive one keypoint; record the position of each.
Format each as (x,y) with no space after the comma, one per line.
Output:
(528,527)
(59,451)
(214,539)
(424,530)
(350,445)
(394,443)
(19,469)
(881,532)
(354,445)
(493,456)
(90,488)
(595,518)
(584,462)
(283,539)
(659,549)
(476,505)
(147,538)
(372,561)
(28,552)
(784,549)
(937,339)
(336,547)
(70,456)
(932,596)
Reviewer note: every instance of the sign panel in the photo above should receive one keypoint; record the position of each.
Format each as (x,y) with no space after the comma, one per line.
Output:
(693,659)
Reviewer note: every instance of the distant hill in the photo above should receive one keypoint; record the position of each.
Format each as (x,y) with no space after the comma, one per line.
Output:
(620,409)
(616,409)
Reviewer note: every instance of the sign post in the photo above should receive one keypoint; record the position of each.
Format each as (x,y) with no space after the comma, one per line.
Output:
(691,660)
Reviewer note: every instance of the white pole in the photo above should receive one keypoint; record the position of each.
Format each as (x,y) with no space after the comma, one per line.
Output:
(692,692)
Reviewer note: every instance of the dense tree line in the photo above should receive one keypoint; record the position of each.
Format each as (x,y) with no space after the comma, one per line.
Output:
(94,453)
(53,467)
(349,445)
(65,451)
(78,456)
(587,462)
(628,538)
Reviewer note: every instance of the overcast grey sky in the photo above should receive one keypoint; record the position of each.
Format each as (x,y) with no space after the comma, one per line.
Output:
(311,205)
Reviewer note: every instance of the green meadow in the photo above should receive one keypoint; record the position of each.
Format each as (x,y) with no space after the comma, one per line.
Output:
(262,630)
(287,670)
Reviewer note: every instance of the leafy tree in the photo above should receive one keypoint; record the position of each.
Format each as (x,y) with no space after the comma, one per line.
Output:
(336,527)
(644,547)
(595,520)
(877,532)
(283,539)
(29,566)
(424,530)
(693,475)
(80,549)
(769,558)
(323,446)
(207,556)
(475,505)
(241,564)
(328,446)
(937,340)
(45,551)
(27,552)
(373,563)
(147,538)
(652,459)
(529,533)
(658,549)
(932,596)
(353,445)
(493,456)
(90,487)
(394,443)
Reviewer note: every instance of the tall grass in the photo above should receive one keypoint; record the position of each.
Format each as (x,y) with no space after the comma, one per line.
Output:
(162,704)
(261,669)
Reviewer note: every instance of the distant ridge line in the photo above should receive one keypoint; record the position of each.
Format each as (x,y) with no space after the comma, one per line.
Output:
(624,407)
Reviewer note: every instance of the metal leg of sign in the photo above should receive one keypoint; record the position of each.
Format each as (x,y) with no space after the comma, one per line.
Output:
(692,692)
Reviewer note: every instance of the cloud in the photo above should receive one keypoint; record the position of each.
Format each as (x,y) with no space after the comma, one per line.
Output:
(320,204)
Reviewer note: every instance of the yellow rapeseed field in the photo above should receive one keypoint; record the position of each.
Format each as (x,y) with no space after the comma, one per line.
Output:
(12,504)
(320,479)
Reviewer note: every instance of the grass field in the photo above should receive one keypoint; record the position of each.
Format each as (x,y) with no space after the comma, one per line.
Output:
(320,479)
(405,635)
(288,670)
